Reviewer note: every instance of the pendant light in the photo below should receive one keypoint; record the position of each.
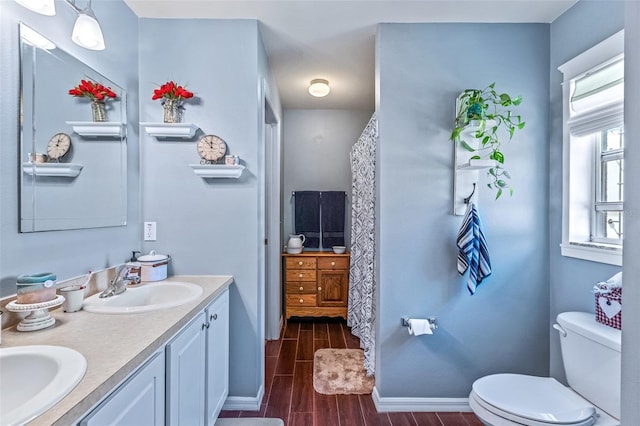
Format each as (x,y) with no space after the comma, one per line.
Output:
(87,32)
(43,7)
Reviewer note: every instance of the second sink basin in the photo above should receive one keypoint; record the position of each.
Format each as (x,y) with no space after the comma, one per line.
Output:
(34,378)
(147,297)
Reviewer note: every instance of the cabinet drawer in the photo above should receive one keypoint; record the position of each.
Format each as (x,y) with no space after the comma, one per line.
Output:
(301,275)
(333,262)
(301,300)
(300,262)
(300,288)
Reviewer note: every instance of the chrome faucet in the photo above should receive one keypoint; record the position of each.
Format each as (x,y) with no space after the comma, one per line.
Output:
(120,282)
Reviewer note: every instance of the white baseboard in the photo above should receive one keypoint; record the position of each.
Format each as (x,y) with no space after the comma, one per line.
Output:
(393,404)
(244,403)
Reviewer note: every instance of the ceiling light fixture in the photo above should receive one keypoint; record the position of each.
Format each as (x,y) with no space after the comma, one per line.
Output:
(319,88)
(86,31)
(43,7)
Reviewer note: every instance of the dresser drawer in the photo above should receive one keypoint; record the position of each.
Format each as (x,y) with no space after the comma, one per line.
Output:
(300,262)
(301,300)
(301,275)
(300,288)
(333,262)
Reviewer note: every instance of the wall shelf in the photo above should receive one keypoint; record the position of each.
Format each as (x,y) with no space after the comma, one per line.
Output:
(94,129)
(217,170)
(52,169)
(170,130)
(476,164)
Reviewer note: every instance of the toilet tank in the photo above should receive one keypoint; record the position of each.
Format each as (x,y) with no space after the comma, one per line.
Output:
(591,358)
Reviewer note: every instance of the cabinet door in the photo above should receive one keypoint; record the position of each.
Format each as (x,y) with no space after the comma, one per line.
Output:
(217,356)
(138,401)
(333,287)
(186,375)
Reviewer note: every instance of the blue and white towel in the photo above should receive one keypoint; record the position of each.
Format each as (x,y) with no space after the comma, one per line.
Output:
(474,253)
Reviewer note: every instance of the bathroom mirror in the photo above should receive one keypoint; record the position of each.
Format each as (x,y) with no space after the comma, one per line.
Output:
(73,170)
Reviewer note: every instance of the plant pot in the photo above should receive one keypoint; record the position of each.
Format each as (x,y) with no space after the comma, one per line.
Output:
(173,110)
(475,111)
(98,111)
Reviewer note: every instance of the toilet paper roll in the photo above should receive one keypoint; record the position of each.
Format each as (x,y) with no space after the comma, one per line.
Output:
(418,327)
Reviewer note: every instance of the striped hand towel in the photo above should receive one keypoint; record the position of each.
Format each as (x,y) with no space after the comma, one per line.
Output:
(474,253)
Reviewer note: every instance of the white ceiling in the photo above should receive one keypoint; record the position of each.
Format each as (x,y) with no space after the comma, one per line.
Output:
(334,39)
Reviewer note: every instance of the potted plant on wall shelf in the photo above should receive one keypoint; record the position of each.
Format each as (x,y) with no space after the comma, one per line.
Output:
(484,119)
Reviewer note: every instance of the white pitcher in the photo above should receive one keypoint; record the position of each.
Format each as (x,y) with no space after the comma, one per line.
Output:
(294,245)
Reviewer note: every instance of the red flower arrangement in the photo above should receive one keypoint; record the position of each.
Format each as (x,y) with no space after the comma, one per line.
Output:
(171,90)
(94,91)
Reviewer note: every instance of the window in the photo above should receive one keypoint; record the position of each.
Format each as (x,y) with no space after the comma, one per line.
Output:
(593,153)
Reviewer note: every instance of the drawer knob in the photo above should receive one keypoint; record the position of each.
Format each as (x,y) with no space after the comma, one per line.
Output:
(301,263)
(300,275)
(301,288)
(319,288)
(301,300)
(333,263)
(213,317)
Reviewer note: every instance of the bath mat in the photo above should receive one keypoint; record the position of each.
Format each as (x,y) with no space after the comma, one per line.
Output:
(249,421)
(340,371)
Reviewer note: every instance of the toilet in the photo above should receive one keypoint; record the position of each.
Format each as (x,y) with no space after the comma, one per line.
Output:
(591,358)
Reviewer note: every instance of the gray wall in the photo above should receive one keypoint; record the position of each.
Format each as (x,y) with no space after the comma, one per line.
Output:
(316,155)
(210,226)
(504,327)
(631,313)
(67,253)
(581,27)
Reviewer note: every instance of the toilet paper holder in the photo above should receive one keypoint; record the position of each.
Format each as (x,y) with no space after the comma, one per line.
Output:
(433,322)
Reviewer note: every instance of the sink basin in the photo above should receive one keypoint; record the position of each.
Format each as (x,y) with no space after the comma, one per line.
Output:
(35,378)
(147,297)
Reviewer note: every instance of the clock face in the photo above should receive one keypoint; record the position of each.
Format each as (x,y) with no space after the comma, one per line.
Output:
(58,146)
(211,148)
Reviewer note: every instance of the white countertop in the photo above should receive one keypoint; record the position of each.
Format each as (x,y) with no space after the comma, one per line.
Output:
(114,345)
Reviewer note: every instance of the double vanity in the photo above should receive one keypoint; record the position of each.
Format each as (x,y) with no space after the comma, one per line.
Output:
(147,360)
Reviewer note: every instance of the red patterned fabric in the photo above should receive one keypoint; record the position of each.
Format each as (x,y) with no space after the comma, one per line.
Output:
(609,308)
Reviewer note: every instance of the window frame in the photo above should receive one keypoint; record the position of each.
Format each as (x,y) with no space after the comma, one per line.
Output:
(601,208)
(586,247)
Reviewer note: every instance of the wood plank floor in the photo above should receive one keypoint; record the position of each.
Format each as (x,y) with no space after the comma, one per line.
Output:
(289,392)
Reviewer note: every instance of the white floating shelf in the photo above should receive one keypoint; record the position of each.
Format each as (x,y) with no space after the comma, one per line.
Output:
(217,170)
(52,169)
(170,130)
(474,125)
(95,129)
(477,165)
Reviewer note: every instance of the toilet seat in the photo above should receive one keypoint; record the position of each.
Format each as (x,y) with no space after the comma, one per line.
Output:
(530,400)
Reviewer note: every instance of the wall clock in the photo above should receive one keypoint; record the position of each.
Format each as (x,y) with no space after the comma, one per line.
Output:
(211,148)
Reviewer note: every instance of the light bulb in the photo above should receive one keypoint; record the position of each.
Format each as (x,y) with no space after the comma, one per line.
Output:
(87,32)
(43,7)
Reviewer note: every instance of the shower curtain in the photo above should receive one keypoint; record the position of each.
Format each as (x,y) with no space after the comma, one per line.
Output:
(362,281)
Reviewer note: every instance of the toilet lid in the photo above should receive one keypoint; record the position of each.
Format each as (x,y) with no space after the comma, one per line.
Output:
(541,399)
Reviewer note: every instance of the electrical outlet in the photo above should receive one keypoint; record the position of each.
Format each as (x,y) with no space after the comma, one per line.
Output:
(149,231)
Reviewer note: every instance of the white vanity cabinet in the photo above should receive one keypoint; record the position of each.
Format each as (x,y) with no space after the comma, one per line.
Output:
(186,364)
(138,401)
(198,367)
(217,371)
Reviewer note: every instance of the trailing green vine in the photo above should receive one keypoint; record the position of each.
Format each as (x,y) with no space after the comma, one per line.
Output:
(492,113)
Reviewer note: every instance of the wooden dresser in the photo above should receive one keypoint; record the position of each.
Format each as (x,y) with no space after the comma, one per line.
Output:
(316,284)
